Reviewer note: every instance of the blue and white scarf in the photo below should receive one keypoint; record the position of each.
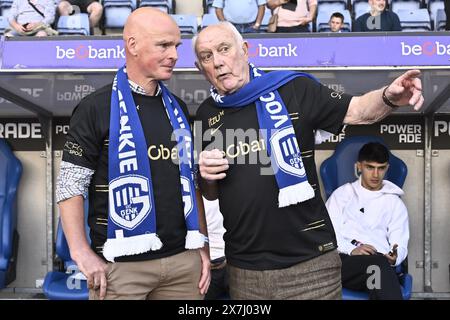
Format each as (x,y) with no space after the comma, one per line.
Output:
(276,127)
(132,212)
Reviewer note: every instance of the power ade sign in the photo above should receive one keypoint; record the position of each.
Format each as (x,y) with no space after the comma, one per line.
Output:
(399,133)
(441,132)
(27,134)
(312,51)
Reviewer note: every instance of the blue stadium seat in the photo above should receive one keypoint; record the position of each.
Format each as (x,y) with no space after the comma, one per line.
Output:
(69,284)
(331,7)
(77,24)
(405,5)
(340,169)
(163,5)
(209,18)
(324,16)
(360,8)
(434,7)
(440,20)
(186,22)
(116,12)
(3,24)
(414,20)
(209,8)
(5,7)
(344,2)
(10,173)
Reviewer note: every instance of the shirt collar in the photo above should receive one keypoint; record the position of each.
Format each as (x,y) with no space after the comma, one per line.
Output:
(140,90)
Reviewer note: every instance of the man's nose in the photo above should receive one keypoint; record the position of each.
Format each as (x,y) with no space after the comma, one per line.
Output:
(218,61)
(376,173)
(173,53)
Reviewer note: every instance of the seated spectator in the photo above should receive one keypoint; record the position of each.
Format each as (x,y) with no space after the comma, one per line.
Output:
(31,18)
(336,22)
(293,15)
(92,7)
(371,226)
(378,19)
(246,16)
(447,14)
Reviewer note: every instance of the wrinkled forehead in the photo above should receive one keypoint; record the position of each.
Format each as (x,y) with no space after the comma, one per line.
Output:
(211,37)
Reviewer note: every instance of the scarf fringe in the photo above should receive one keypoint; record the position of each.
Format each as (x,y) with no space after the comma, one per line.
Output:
(117,247)
(194,240)
(294,194)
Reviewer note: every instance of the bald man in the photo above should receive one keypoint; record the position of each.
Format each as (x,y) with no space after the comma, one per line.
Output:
(146,218)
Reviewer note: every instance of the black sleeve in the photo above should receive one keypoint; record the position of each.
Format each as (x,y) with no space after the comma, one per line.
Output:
(396,22)
(324,108)
(357,26)
(84,139)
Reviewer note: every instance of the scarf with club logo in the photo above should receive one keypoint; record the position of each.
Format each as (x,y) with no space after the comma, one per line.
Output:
(132,212)
(276,128)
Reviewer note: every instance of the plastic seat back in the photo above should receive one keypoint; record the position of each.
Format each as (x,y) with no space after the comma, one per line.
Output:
(10,174)
(340,168)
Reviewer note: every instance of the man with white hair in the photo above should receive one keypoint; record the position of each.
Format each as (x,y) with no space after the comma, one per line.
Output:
(279,239)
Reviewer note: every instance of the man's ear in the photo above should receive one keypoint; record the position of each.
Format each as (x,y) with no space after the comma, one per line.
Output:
(245,48)
(131,45)
(358,168)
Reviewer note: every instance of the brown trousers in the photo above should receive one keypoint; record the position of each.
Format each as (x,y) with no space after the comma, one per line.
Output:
(174,277)
(318,278)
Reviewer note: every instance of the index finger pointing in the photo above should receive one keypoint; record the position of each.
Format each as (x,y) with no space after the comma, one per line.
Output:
(411,75)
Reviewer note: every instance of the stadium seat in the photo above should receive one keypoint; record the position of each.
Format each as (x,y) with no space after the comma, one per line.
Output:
(3,24)
(70,283)
(414,20)
(360,8)
(331,7)
(10,173)
(186,22)
(116,12)
(77,24)
(210,18)
(208,6)
(344,2)
(163,5)
(5,7)
(324,16)
(440,20)
(434,7)
(339,169)
(405,5)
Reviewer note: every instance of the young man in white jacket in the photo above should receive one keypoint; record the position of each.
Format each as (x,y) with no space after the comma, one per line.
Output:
(371,225)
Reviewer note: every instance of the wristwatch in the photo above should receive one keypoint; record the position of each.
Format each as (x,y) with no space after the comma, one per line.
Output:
(387,101)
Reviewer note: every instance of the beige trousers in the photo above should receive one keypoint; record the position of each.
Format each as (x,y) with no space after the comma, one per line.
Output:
(174,277)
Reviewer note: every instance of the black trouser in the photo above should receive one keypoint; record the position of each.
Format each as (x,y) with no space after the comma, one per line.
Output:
(218,288)
(298,29)
(355,275)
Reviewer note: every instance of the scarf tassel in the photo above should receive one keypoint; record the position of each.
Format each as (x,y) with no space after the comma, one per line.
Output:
(117,247)
(194,239)
(294,194)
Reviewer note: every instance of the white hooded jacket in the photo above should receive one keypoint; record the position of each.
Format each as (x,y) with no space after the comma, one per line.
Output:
(378,218)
